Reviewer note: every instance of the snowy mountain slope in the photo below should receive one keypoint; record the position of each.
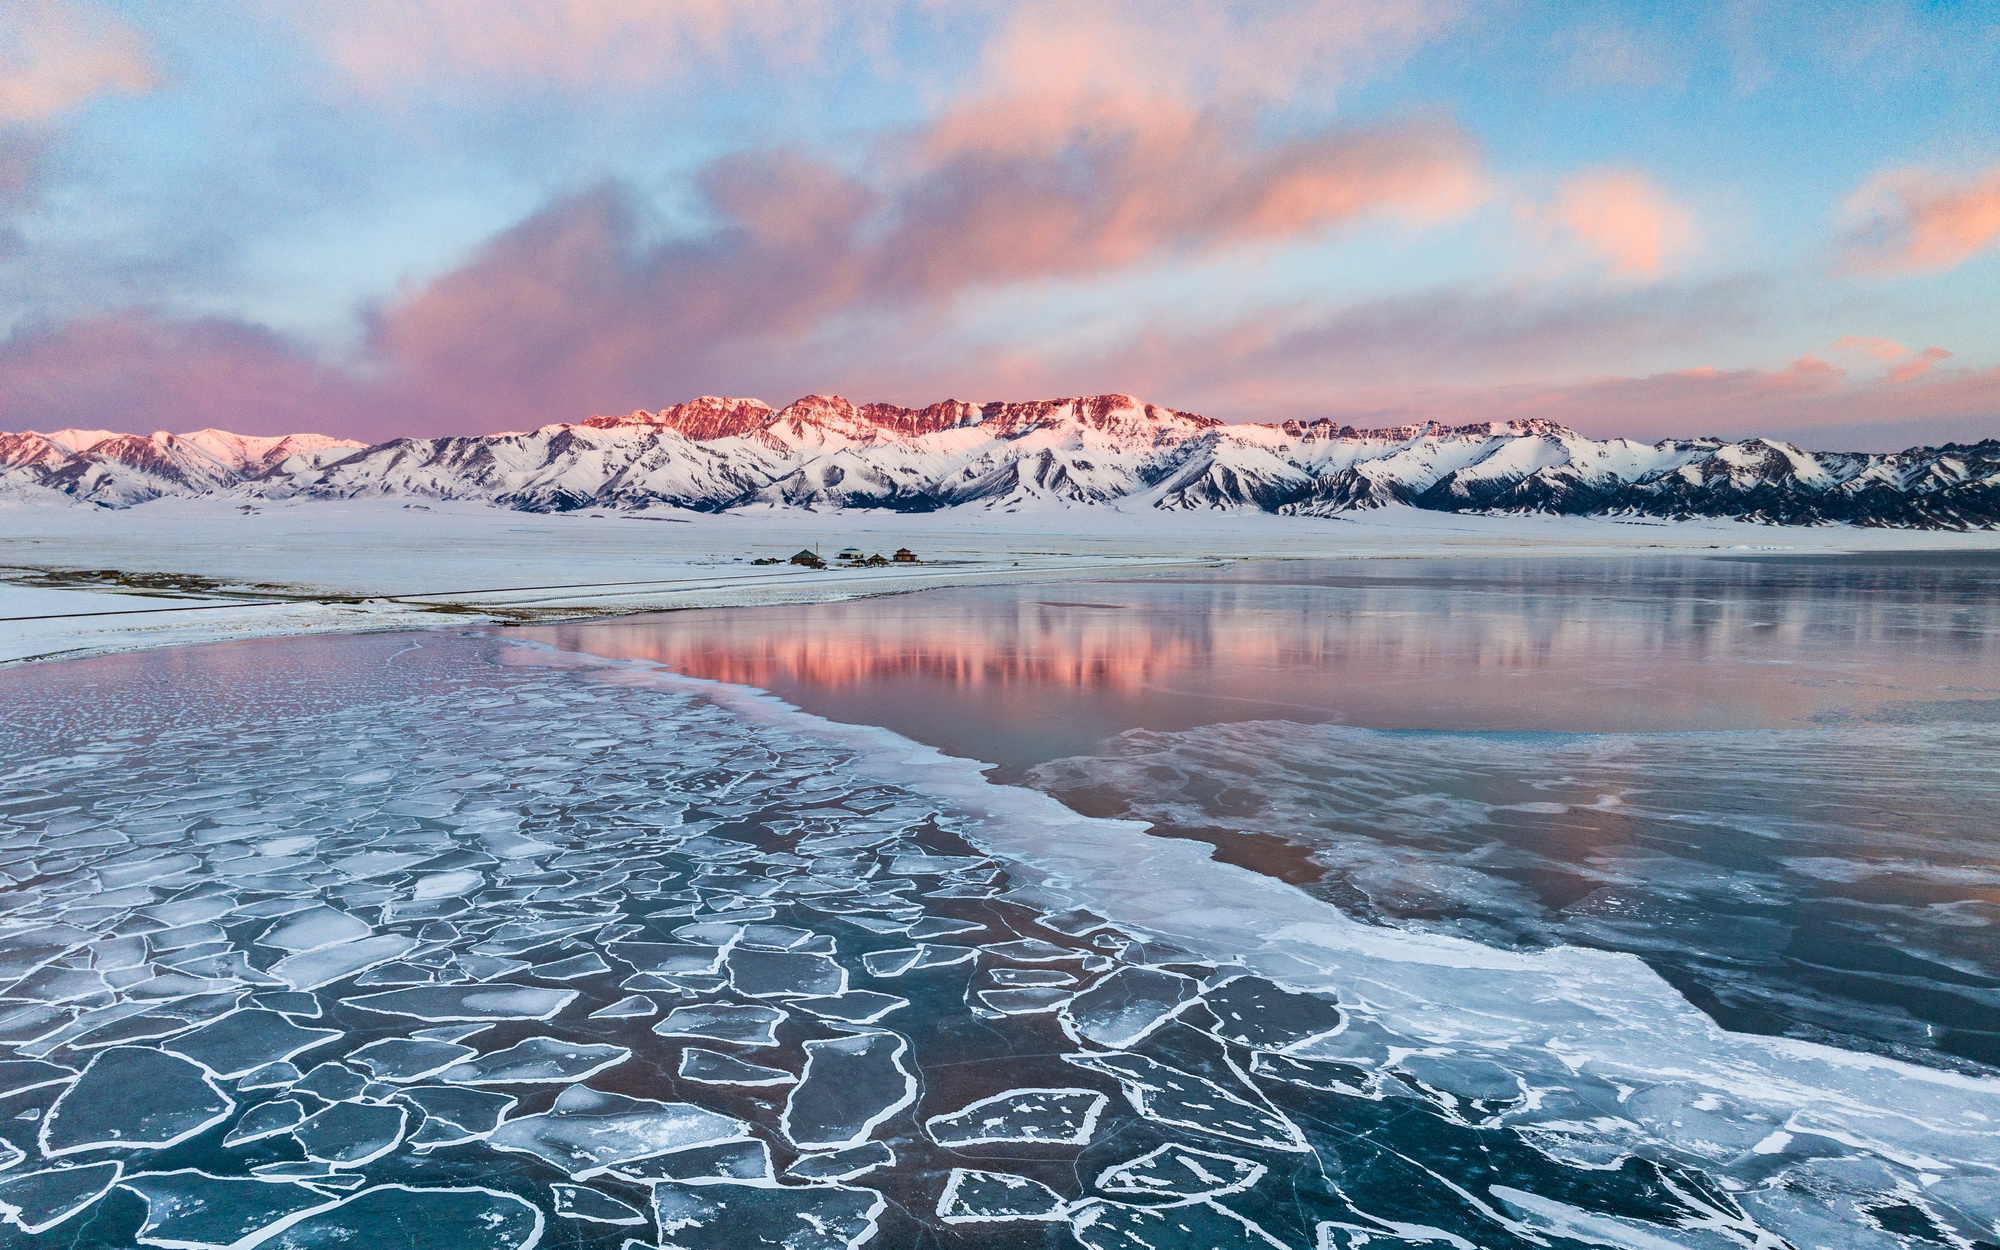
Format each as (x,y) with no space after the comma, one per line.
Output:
(825,452)
(119,470)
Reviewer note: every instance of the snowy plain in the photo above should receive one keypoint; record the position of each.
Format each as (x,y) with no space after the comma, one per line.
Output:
(299,567)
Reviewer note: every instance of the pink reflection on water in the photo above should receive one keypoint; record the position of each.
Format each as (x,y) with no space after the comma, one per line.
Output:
(1011,674)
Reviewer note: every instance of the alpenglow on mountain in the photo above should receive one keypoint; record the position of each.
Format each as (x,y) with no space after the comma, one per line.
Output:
(824,452)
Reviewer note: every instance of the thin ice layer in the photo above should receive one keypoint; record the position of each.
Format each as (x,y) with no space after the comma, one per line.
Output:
(743,1024)
(587,1131)
(193,1208)
(745,1217)
(403,1217)
(35,1202)
(537,1061)
(1068,1116)
(1184,1100)
(469,1002)
(976,1197)
(850,1086)
(134,1098)
(245,1040)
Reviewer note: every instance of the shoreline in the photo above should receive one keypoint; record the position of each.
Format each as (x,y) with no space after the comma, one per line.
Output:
(76,582)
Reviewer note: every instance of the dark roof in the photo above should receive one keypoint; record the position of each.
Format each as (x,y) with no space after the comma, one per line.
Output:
(806,555)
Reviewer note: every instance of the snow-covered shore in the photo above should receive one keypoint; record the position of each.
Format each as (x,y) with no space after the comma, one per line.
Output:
(314,567)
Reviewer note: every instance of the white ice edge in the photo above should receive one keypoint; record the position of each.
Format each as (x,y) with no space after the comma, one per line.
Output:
(1604,1012)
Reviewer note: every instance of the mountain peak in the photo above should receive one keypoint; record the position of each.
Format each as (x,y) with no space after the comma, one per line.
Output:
(701,419)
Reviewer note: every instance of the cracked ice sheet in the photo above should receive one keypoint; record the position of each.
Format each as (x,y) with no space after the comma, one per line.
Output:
(611,818)
(1575,1006)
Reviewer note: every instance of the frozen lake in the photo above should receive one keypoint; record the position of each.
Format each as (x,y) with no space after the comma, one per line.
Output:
(1772,778)
(456,939)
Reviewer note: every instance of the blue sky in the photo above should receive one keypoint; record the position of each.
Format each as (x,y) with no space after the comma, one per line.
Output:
(391,217)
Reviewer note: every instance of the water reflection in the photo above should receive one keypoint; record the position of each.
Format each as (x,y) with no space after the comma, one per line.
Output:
(1018,675)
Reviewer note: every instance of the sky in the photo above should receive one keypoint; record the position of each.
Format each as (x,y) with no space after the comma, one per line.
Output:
(415,217)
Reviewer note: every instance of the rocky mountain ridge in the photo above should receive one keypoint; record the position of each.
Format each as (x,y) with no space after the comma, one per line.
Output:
(825,452)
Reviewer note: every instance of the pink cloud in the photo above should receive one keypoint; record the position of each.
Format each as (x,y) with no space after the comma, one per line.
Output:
(1881,349)
(1806,374)
(1911,221)
(1917,365)
(57,54)
(571,311)
(1804,405)
(138,373)
(1908,365)
(1462,357)
(1164,113)
(1114,197)
(1622,217)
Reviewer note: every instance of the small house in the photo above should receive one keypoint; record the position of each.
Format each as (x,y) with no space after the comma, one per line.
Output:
(852,553)
(905,556)
(810,559)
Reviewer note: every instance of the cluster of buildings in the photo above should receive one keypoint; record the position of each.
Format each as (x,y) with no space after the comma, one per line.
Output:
(849,557)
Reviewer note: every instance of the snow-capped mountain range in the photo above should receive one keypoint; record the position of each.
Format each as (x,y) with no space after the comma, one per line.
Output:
(823,452)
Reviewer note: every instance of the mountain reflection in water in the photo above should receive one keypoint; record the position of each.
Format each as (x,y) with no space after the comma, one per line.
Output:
(1016,675)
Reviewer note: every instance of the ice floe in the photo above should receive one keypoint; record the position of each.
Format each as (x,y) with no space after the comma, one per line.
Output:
(246,1040)
(587,1132)
(849,1087)
(745,1217)
(784,974)
(842,1165)
(193,1210)
(454,1114)
(405,1217)
(408,1058)
(350,1134)
(1067,1116)
(711,1067)
(1182,1099)
(1252,1011)
(854,1007)
(744,1160)
(1126,1005)
(266,1119)
(578,1203)
(537,1061)
(35,1202)
(741,1023)
(630,1007)
(313,928)
(1203,1225)
(135,1098)
(972,1197)
(316,968)
(1179,1171)
(470,1002)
